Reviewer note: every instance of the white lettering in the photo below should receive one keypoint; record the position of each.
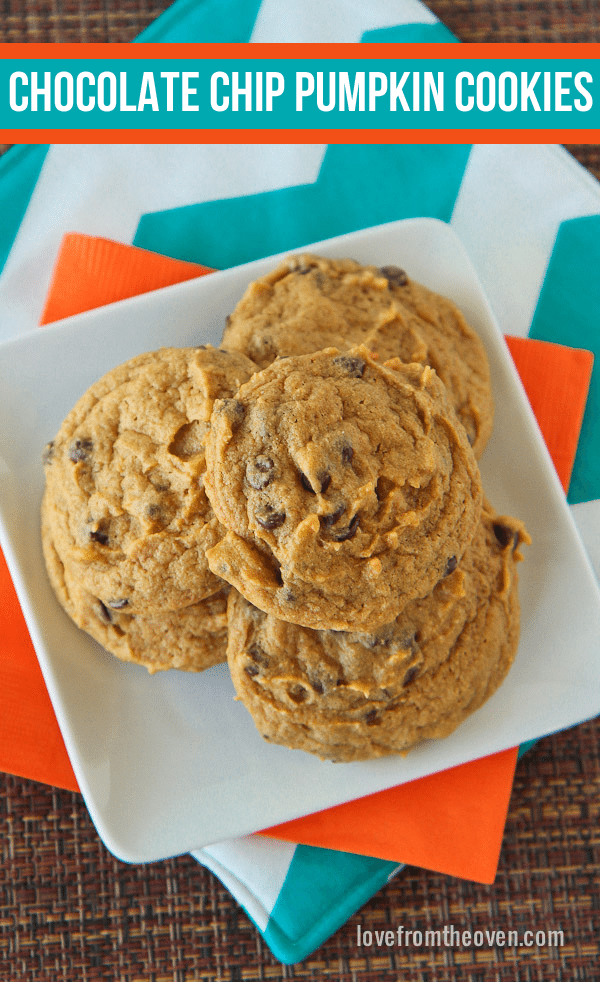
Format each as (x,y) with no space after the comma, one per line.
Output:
(123,104)
(148,95)
(275,87)
(461,78)
(170,77)
(187,91)
(82,105)
(45,90)
(106,90)
(560,91)
(355,96)
(215,78)
(325,106)
(16,106)
(305,85)
(508,79)
(67,79)
(376,90)
(527,92)
(397,91)
(587,103)
(431,90)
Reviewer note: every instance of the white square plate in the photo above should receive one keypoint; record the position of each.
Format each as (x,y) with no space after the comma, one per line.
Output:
(171,763)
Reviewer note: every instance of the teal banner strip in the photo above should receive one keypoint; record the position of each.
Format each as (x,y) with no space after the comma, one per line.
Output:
(312,93)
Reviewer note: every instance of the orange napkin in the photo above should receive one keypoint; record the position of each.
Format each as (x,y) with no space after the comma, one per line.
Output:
(451,822)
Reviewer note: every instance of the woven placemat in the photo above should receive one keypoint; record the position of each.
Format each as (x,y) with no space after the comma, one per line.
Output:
(470,20)
(70,911)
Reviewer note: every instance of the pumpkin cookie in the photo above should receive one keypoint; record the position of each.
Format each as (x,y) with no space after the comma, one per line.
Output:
(124,501)
(190,639)
(346,488)
(353,696)
(309,303)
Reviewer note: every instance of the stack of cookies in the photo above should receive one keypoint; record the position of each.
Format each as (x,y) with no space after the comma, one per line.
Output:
(305,501)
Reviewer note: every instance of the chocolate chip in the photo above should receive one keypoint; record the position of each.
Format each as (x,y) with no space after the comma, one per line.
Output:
(353,366)
(48,453)
(387,638)
(325,480)
(118,604)
(257,654)
(384,487)
(297,693)
(233,409)
(306,484)
(317,686)
(333,517)
(260,472)
(154,512)
(99,536)
(371,717)
(451,565)
(251,670)
(348,533)
(374,641)
(80,450)
(103,613)
(347,453)
(411,675)
(505,535)
(394,275)
(268,518)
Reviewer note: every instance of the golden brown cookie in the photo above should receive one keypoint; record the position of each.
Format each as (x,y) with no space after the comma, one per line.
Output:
(310,302)
(353,696)
(346,488)
(124,500)
(190,639)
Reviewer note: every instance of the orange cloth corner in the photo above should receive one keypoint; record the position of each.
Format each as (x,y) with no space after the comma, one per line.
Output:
(556,380)
(91,272)
(452,821)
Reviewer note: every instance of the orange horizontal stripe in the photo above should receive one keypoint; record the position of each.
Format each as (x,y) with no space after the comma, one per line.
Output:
(461,51)
(415,136)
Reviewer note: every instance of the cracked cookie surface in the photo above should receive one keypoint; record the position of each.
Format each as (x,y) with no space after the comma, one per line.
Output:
(346,488)
(310,302)
(124,500)
(190,639)
(352,696)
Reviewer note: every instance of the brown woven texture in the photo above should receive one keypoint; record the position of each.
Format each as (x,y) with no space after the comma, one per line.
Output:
(69,911)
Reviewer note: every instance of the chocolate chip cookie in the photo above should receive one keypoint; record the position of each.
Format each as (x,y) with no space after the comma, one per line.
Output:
(346,488)
(190,639)
(353,696)
(124,500)
(310,302)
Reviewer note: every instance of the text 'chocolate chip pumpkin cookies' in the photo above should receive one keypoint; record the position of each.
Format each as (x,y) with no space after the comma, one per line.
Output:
(346,488)
(310,302)
(348,696)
